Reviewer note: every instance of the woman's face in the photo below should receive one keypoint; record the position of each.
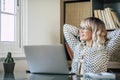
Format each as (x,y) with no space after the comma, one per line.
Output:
(85,34)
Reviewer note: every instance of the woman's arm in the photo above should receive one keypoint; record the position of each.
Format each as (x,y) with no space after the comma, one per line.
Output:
(69,33)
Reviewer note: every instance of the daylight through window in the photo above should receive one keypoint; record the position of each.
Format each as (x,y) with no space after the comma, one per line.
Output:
(8,20)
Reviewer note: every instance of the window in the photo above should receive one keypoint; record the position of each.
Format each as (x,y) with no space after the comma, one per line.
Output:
(8,20)
(9,25)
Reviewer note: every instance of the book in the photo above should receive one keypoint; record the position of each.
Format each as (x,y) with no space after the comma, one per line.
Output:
(112,24)
(103,18)
(109,17)
(99,14)
(115,18)
(96,13)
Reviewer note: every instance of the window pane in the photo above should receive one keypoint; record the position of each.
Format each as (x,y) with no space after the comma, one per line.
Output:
(7,27)
(7,6)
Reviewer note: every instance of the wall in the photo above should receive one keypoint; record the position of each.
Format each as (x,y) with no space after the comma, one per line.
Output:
(41,25)
(43,22)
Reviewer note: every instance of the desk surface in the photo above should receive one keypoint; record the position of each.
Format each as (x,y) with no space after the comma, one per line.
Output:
(28,76)
(20,74)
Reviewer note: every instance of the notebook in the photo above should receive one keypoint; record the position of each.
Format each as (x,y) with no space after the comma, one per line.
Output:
(50,59)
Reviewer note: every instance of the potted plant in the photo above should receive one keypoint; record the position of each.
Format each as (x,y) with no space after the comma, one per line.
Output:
(9,63)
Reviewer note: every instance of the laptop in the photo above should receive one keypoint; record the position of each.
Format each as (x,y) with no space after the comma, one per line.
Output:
(50,59)
(48,77)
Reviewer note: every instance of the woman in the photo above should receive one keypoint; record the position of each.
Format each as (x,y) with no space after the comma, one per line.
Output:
(88,42)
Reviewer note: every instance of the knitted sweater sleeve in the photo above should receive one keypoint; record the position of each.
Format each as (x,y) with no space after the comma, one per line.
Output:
(70,33)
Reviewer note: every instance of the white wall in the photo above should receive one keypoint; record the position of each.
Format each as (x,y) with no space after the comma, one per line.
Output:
(43,22)
(40,24)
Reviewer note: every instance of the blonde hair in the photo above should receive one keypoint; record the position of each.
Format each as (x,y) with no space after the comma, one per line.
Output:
(99,33)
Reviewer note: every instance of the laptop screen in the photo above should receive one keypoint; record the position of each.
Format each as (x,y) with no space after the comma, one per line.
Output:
(46,58)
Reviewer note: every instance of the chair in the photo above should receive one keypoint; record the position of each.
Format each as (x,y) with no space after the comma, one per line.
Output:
(70,52)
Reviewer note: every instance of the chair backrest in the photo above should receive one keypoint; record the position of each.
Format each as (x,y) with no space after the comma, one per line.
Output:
(69,50)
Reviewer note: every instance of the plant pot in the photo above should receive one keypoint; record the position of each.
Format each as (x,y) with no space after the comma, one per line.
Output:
(8,67)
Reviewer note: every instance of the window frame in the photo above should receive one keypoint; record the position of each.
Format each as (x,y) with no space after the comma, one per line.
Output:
(17,47)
